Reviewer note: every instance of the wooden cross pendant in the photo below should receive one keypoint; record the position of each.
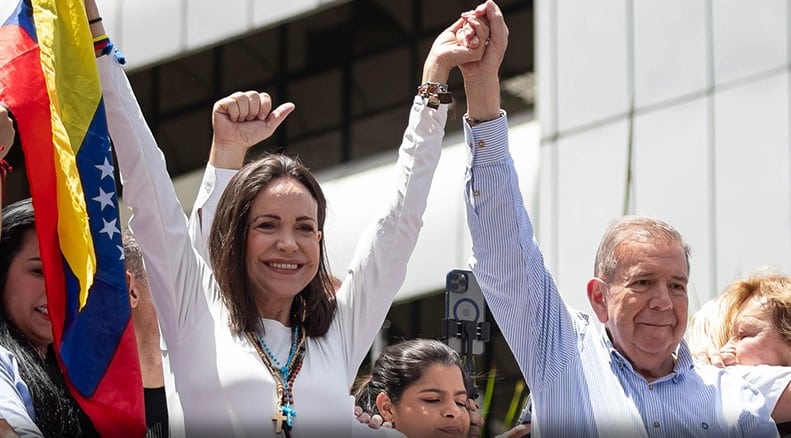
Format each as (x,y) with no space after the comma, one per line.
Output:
(279,418)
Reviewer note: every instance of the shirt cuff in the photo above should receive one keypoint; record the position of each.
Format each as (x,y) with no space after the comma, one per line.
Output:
(487,142)
(212,177)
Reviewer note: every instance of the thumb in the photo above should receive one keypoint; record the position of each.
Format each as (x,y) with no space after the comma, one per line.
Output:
(279,114)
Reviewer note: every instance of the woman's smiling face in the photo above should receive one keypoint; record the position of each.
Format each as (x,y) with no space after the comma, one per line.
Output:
(24,296)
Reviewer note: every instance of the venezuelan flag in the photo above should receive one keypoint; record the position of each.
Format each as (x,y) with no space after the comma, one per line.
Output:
(49,80)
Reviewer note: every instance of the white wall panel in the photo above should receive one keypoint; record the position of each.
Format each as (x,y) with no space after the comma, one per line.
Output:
(591,61)
(749,37)
(592,175)
(545,220)
(151,30)
(209,21)
(268,12)
(546,74)
(672,182)
(752,173)
(669,49)
(355,193)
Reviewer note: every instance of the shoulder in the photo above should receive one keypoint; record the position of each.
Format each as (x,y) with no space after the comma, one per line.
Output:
(8,360)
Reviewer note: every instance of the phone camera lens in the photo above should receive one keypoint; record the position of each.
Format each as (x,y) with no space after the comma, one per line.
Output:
(457,282)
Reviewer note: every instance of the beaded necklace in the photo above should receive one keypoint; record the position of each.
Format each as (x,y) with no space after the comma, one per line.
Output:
(284,375)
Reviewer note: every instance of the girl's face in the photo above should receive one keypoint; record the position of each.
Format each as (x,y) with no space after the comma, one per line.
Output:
(433,406)
(755,339)
(24,297)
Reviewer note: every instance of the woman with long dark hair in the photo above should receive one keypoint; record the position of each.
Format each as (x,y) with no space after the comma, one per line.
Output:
(26,334)
(256,344)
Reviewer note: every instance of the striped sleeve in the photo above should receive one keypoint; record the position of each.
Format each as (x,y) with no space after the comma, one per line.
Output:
(508,263)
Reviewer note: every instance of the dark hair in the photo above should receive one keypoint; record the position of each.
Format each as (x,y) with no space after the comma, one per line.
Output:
(399,366)
(313,308)
(57,413)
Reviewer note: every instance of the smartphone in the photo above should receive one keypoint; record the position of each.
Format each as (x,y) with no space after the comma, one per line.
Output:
(527,411)
(464,305)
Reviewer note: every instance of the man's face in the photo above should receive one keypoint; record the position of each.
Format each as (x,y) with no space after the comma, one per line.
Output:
(646,304)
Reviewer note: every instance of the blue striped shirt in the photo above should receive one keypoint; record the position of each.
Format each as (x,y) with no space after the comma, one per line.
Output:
(581,385)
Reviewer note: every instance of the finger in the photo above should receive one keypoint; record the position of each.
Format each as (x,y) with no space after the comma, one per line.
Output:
(264,105)
(243,106)
(480,28)
(227,107)
(253,105)
(458,24)
(279,114)
(376,421)
(516,432)
(728,356)
(365,417)
(358,411)
(498,31)
(462,37)
(729,359)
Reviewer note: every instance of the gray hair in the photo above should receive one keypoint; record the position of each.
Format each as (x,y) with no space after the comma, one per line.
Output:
(633,228)
(133,256)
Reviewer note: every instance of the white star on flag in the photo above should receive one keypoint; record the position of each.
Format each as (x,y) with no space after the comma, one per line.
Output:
(104,198)
(110,228)
(120,248)
(106,168)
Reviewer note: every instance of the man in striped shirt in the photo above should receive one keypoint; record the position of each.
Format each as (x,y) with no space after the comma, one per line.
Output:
(636,379)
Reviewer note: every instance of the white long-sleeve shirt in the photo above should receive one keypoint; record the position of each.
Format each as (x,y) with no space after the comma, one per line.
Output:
(223,386)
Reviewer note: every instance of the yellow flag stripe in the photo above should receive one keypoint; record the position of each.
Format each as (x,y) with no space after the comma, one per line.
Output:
(74,92)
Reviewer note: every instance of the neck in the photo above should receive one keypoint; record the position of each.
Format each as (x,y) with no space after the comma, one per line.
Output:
(149,354)
(652,373)
(276,309)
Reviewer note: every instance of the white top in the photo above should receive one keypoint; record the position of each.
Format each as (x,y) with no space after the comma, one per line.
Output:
(223,386)
(16,403)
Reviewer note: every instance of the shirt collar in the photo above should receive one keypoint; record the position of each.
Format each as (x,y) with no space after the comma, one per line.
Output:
(684,362)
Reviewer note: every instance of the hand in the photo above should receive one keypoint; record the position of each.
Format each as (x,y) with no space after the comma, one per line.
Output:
(446,52)
(240,121)
(488,66)
(7,131)
(374,421)
(481,80)
(476,419)
(517,431)
(724,357)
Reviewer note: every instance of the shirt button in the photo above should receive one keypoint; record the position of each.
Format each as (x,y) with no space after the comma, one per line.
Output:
(656,424)
(650,386)
(470,145)
(481,143)
(476,192)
